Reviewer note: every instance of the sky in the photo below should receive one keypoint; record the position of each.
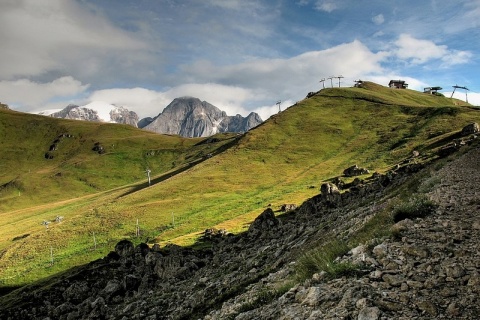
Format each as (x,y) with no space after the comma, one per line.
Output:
(239,55)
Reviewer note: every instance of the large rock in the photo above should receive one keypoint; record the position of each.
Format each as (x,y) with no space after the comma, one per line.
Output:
(266,221)
(470,129)
(355,171)
(124,248)
(329,189)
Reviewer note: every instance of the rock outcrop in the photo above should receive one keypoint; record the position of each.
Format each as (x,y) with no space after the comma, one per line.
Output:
(471,128)
(355,171)
(190,117)
(144,122)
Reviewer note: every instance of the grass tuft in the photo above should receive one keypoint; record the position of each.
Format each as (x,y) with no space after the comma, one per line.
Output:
(323,258)
(418,206)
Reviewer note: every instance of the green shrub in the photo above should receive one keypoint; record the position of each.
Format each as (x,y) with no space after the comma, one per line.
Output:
(416,207)
(323,259)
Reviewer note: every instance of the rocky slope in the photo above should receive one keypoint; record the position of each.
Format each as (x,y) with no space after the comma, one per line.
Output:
(190,117)
(98,111)
(427,267)
(430,271)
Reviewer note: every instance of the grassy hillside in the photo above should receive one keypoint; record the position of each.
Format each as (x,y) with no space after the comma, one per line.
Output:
(277,162)
(27,178)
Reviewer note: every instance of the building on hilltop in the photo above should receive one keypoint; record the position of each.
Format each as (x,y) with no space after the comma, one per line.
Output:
(432,90)
(358,83)
(399,84)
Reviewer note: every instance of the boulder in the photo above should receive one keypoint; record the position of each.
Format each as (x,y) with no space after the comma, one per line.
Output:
(264,222)
(328,189)
(369,313)
(212,234)
(470,129)
(448,150)
(124,248)
(355,171)
(288,207)
(97,147)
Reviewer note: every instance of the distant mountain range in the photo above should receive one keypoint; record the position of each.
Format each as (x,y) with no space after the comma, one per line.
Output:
(185,116)
(98,111)
(190,117)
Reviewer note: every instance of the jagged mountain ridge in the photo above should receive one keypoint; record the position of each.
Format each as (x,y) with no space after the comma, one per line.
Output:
(191,117)
(98,111)
(185,116)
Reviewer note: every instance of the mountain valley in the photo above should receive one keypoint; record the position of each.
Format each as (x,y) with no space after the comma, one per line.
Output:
(264,224)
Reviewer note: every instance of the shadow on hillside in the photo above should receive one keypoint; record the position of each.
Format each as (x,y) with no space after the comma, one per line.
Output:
(191,164)
(6,290)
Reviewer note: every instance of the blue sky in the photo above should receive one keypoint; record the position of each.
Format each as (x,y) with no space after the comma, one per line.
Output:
(239,55)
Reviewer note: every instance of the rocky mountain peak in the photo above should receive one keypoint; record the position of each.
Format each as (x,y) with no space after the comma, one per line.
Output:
(98,111)
(191,117)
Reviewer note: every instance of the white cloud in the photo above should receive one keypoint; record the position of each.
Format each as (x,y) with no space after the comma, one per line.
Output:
(467,20)
(26,94)
(150,102)
(255,85)
(241,88)
(326,5)
(473,97)
(419,51)
(378,19)
(292,78)
(456,57)
(59,35)
(266,111)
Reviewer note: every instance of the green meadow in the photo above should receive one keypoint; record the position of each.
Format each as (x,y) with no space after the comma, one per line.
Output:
(197,183)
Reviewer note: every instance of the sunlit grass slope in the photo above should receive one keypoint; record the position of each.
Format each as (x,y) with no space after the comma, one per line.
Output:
(27,178)
(275,163)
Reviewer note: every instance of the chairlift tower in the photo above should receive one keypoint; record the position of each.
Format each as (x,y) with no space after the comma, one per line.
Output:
(322,82)
(279,102)
(331,80)
(339,77)
(455,87)
(148,175)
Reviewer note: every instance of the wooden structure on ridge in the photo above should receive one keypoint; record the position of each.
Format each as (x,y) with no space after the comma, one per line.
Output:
(432,90)
(399,84)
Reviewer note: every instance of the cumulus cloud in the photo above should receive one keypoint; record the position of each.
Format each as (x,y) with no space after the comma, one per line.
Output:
(292,77)
(254,85)
(418,51)
(239,88)
(26,94)
(61,36)
(150,102)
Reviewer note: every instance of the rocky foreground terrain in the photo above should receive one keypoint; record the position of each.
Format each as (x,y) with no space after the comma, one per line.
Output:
(423,268)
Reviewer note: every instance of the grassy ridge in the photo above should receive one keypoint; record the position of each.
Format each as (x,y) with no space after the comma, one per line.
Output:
(276,163)
(76,169)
